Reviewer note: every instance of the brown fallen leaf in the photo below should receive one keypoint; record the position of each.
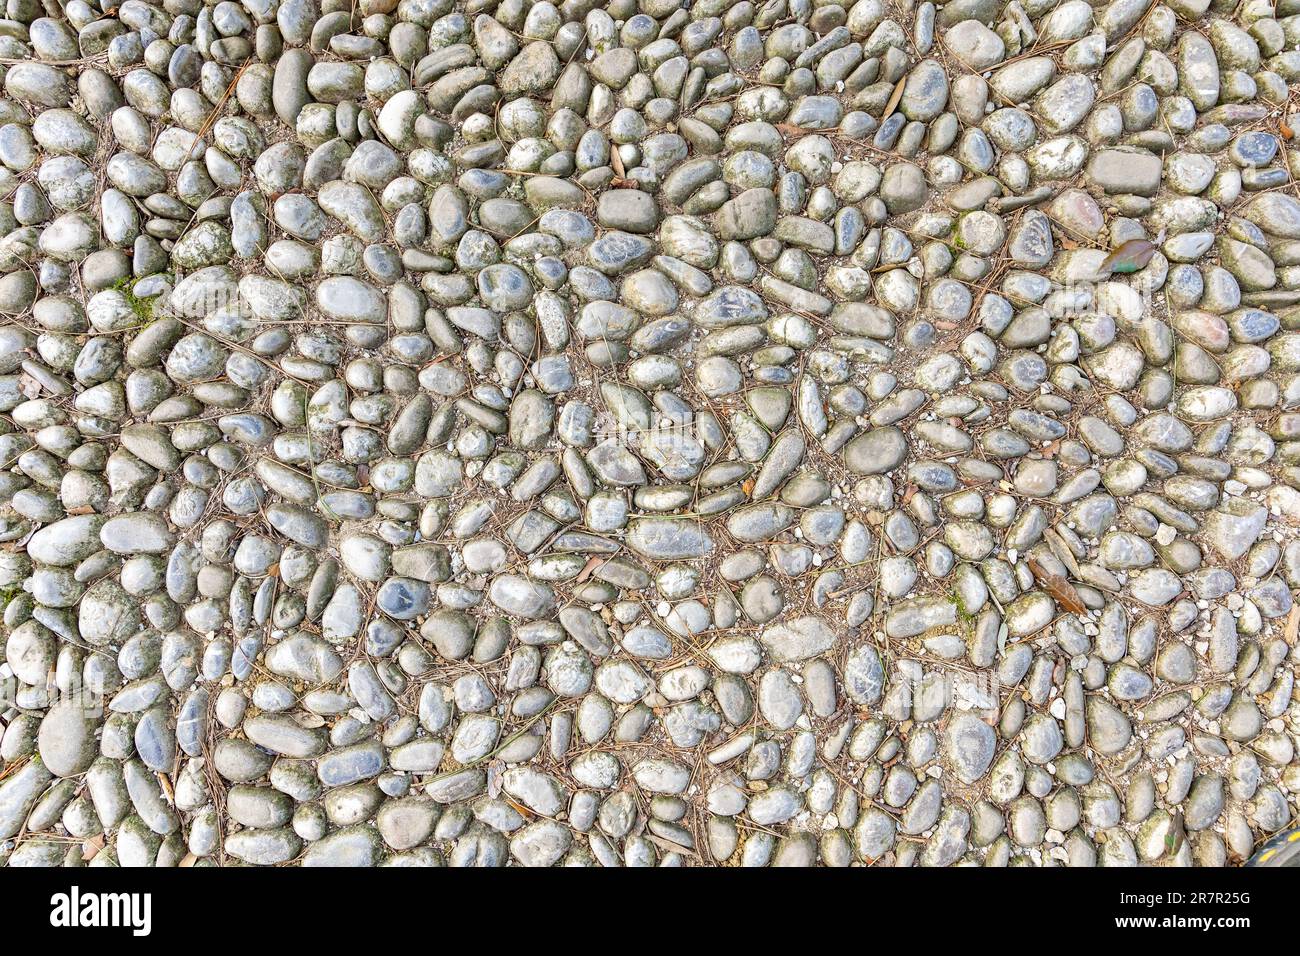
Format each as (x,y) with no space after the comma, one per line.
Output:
(1130,256)
(616,161)
(1061,550)
(1061,590)
(592,564)
(91,846)
(747,486)
(894,99)
(168,790)
(1292,627)
(523,810)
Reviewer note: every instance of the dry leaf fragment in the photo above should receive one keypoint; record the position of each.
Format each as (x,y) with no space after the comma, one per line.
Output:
(592,564)
(616,161)
(1062,551)
(1130,256)
(495,769)
(1292,627)
(1176,836)
(168,790)
(91,846)
(1061,590)
(894,99)
(671,846)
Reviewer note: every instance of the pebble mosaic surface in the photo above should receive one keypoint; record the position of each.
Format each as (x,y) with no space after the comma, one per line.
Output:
(648,432)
